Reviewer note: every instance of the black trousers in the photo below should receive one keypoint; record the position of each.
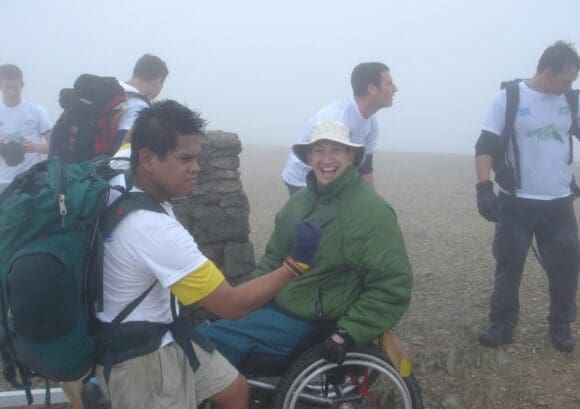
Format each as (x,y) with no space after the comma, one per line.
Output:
(553,223)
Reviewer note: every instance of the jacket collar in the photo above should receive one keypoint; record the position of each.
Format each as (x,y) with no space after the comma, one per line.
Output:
(332,189)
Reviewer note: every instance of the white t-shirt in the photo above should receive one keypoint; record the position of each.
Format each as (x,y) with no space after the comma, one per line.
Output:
(542,124)
(146,247)
(121,163)
(364,131)
(24,122)
(134,106)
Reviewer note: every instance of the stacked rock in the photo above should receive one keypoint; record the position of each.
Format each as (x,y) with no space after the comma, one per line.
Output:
(216,213)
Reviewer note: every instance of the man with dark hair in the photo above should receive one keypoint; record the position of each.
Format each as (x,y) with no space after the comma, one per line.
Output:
(364,75)
(373,89)
(360,283)
(534,177)
(150,68)
(144,86)
(24,127)
(151,253)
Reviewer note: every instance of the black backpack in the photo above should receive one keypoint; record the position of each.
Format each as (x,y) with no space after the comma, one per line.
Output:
(508,174)
(87,128)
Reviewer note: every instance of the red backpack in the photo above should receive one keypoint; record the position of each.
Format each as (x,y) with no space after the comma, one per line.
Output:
(87,127)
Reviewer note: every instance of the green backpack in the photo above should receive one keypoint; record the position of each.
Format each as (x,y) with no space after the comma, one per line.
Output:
(51,267)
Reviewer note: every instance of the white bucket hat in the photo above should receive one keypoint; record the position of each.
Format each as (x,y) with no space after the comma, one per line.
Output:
(334,131)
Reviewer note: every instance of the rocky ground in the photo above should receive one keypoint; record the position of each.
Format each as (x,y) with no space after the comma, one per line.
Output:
(449,246)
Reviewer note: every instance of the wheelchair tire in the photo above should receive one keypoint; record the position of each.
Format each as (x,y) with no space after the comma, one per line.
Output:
(312,361)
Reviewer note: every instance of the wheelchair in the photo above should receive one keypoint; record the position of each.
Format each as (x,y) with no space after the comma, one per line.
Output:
(375,376)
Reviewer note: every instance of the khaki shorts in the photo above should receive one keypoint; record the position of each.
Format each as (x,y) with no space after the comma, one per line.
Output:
(164,379)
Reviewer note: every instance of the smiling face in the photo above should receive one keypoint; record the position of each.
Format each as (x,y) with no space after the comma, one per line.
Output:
(176,173)
(329,160)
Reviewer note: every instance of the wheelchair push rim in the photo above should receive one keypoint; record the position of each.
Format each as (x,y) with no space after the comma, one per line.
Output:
(297,389)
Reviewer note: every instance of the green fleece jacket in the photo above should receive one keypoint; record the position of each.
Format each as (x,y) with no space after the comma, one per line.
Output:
(361,275)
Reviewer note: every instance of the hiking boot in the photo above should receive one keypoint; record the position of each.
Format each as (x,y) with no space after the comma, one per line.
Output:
(495,335)
(562,338)
(93,397)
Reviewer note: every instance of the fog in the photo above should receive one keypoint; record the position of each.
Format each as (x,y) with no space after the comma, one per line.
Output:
(261,68)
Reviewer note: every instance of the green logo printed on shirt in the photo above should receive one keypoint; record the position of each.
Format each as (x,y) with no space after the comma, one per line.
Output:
(545,133)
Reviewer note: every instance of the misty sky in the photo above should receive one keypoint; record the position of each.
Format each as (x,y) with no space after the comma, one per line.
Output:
(261,68)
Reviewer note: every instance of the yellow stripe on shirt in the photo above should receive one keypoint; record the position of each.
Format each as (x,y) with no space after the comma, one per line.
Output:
(198,284)
(125,146)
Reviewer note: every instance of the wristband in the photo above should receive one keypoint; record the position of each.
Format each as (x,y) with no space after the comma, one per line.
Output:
(294,272)
(296,267)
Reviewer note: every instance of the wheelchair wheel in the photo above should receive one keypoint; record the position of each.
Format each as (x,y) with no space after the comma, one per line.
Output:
(366,379)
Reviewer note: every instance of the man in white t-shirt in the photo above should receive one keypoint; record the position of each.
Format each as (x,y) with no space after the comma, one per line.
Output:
(373,89)
(24,127)
(145,85)
(152,250)
(534,176)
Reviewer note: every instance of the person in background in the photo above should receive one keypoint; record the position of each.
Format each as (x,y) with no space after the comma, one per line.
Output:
(144,86)
(538,203)
(373,89)
(24,127)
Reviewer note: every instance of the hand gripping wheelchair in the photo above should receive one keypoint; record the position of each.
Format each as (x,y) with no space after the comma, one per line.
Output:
(375,376)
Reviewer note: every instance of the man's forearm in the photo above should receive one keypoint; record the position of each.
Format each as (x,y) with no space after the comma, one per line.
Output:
(385,297)
(43,146)
(257,292)
(235,302)
(483,167)
(364,329)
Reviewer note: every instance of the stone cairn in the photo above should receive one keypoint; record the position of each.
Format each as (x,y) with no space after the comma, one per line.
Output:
(217,211)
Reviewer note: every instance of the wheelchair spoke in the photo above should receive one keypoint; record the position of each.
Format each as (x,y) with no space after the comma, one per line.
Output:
(366,380)
(386,393)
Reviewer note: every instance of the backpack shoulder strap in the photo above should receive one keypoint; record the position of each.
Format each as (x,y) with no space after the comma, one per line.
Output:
(572,98)
(512,91)
(127,203)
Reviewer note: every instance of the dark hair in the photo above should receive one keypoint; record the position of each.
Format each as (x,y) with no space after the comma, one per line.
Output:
(10,72)
(364,74)
(157,127)
(558,56)
(150,67)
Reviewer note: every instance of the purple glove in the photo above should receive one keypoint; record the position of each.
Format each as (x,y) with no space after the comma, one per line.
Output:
(306,241)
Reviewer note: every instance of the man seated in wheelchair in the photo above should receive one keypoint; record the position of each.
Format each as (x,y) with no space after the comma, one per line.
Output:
(360,279)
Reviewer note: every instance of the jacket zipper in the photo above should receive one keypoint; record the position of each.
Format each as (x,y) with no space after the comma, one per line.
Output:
(318,304)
